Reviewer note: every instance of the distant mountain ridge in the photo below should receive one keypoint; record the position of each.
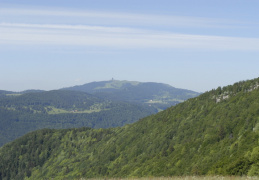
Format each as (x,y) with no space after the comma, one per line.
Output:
(103,86)
(158,95)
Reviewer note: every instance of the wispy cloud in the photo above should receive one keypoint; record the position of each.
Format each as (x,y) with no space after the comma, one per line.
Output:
(70,27)
(116,37)
(112,18)
(27,27)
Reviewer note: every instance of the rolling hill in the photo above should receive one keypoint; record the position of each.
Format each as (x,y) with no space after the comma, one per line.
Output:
(4,94)
(216,133)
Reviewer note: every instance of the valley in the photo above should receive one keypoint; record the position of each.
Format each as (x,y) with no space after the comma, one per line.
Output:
(95,106)
(196,138)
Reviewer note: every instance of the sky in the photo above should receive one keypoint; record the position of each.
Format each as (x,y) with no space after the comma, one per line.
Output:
(197,45)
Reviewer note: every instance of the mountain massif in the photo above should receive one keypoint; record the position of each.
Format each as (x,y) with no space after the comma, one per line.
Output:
(30,110)
(158,95)
(216,133)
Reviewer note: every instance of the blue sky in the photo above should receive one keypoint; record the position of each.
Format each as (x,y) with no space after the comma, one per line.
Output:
(197,45)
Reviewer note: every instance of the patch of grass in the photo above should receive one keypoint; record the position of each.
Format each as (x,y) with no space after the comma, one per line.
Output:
(62,111)
(13,94)
(162,101)
(57,111)
(114,84)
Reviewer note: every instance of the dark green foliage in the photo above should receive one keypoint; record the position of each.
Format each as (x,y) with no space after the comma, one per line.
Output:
(114,103)
(202,136)
(58,99)
(28,112)
(28,152)
(4,94)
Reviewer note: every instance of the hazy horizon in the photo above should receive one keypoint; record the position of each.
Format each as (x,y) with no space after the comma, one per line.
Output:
(197,45)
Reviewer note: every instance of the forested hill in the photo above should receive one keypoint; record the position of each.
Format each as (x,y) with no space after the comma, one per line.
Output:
(22,113)
(4,94)
(216,133)
(66,100)
(158,95)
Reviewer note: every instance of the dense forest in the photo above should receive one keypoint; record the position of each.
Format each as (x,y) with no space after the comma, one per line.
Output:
(20,114)
(216,133)
(97,105)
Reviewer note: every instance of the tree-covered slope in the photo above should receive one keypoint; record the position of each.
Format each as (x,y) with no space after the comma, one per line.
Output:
(215,133)
(158,95)
(21,114)
(66,100)
(4,94)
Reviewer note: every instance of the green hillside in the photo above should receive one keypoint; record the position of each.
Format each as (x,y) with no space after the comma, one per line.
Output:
(158,95)
(20,114)
(4,94)
(216,133)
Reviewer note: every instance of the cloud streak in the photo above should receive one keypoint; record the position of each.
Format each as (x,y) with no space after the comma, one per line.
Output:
(112,18)
(116,37)
(45,27)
